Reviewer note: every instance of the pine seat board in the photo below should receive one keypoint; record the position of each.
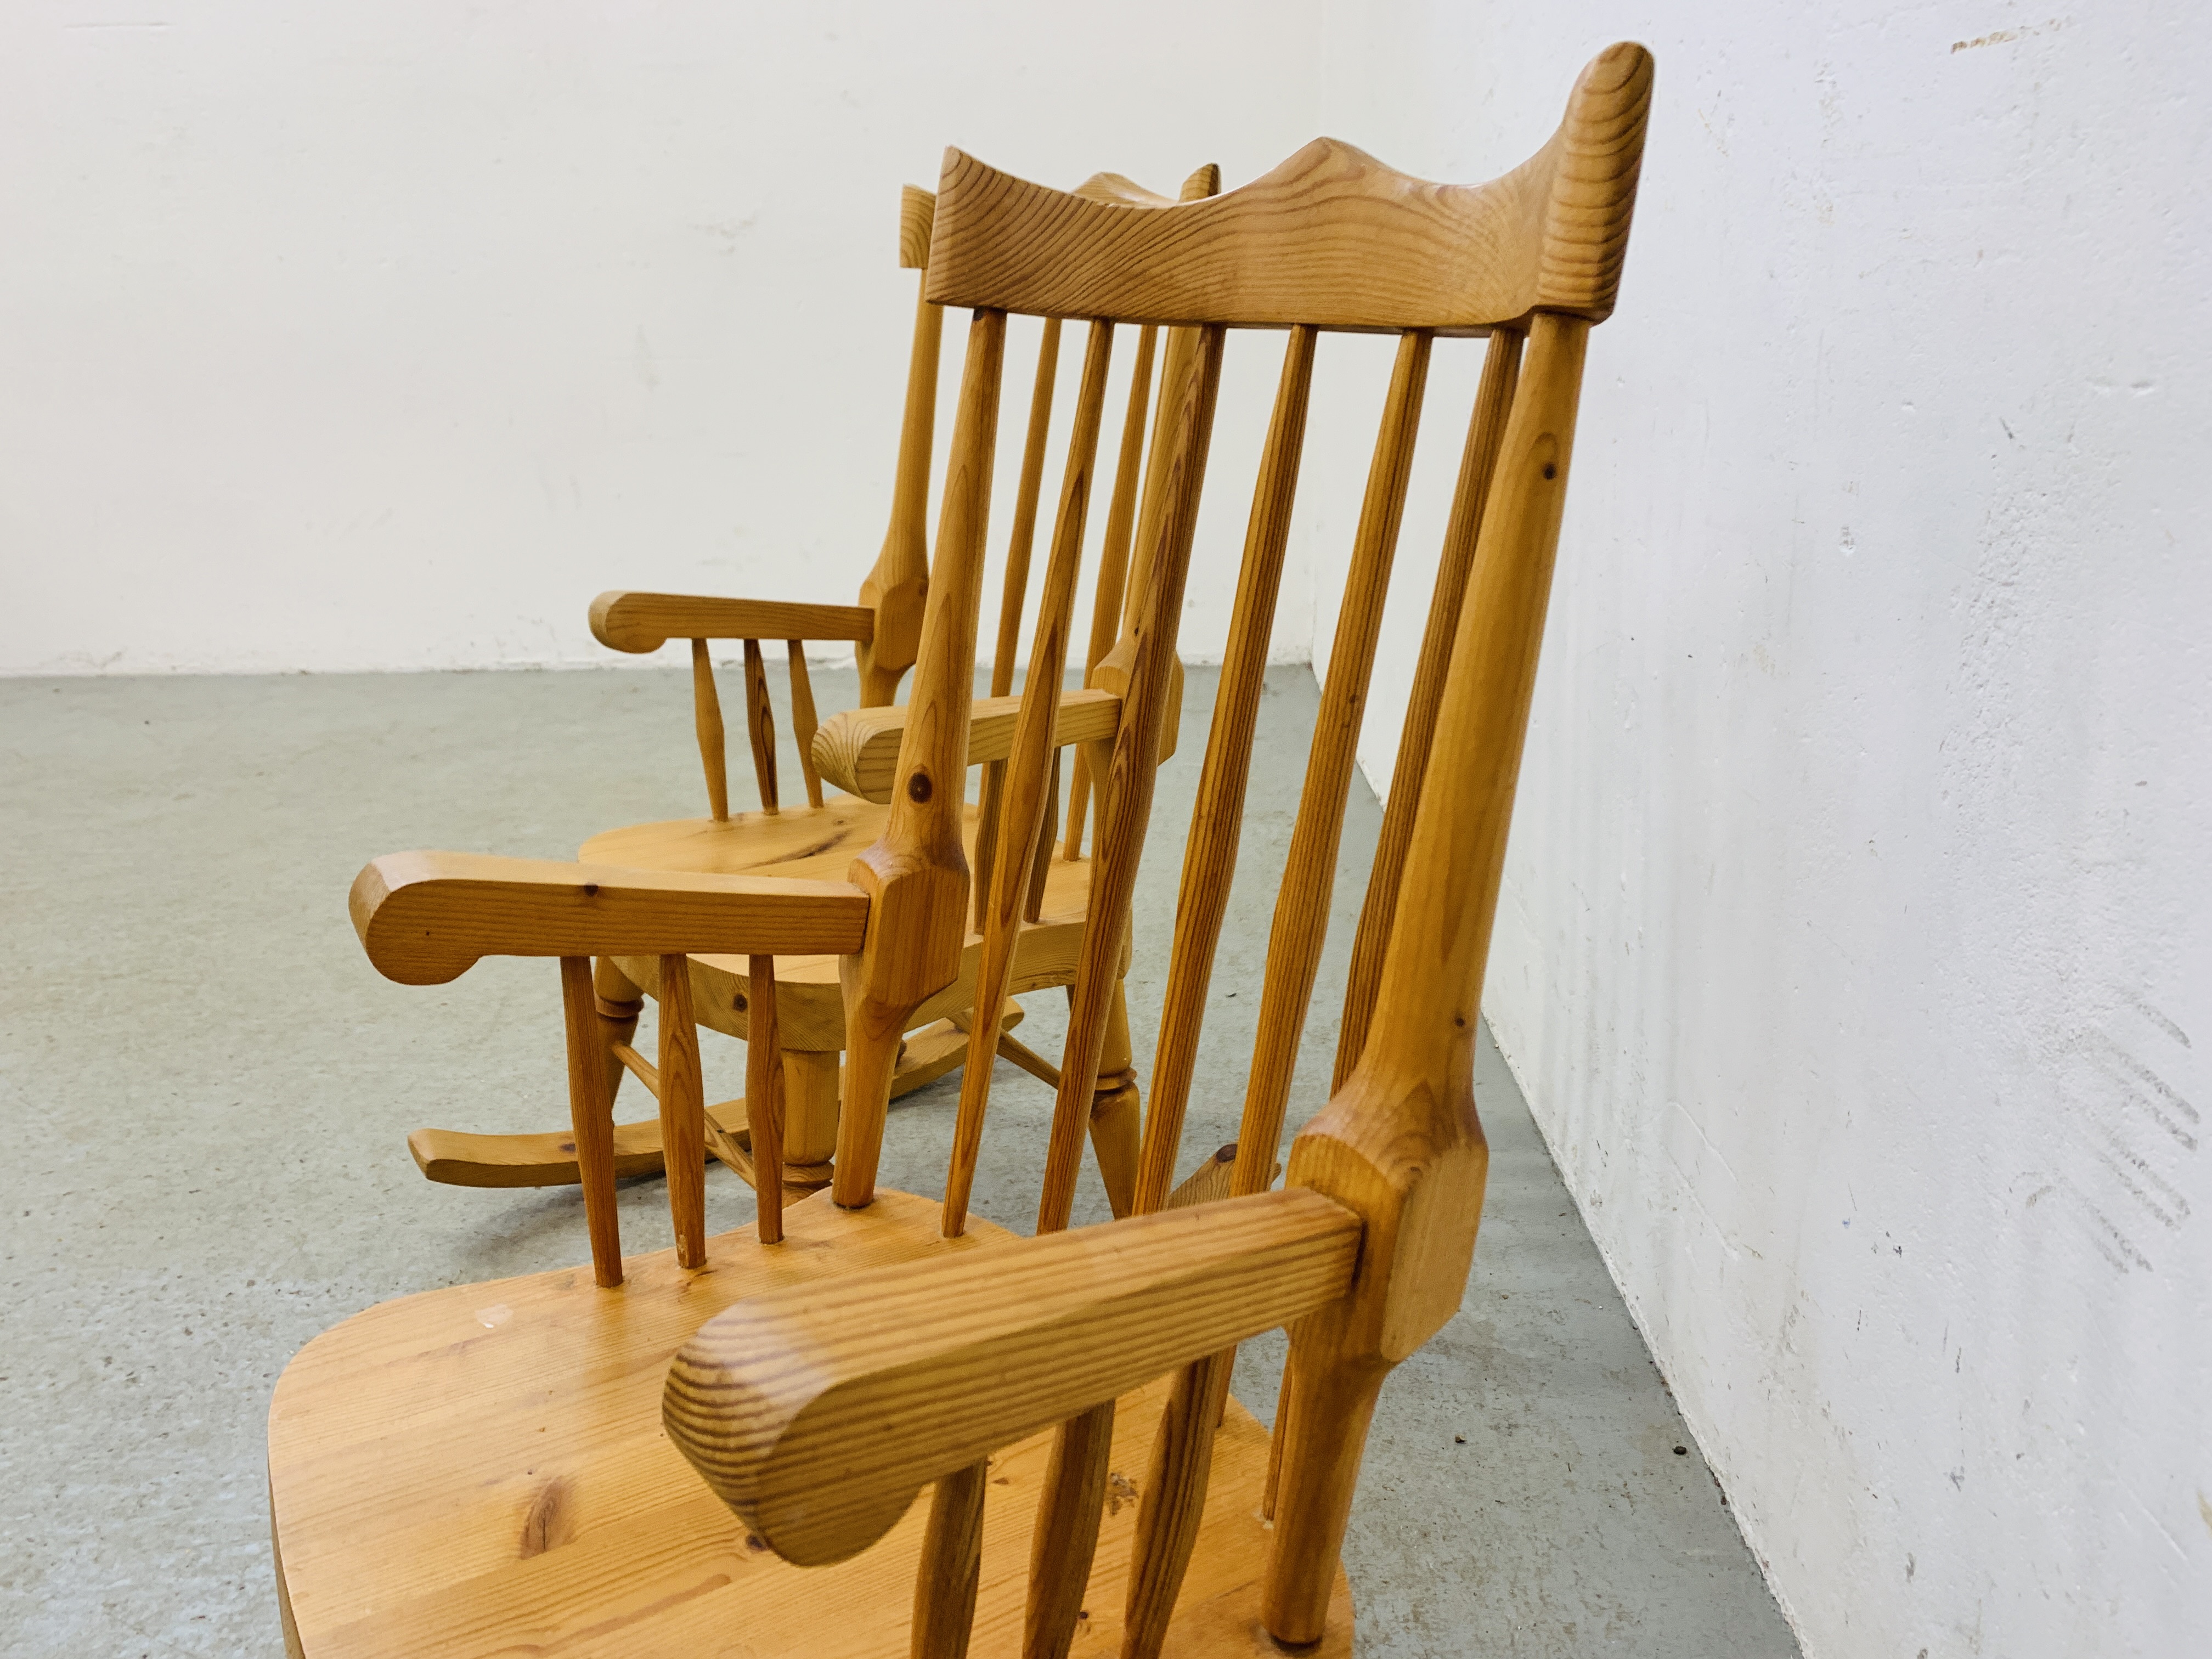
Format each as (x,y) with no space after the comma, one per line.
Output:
(819,844)
(482,1471)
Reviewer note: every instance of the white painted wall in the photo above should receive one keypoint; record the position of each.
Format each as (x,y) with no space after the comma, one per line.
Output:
(1857,953)
(384,336)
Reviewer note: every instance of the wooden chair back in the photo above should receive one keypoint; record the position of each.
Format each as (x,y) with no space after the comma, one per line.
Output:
(884,626)
(1367,1253)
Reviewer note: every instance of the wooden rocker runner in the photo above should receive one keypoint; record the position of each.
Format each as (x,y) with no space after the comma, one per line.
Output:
(718,1450)
(857,753)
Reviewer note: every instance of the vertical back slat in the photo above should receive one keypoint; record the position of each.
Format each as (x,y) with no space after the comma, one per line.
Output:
(1127,796)
(1013,595)
(1112,563)
(1029,763)
(1309,873)
(1400,1143)
(946,1578)
(706,720)
(1217,820)
(804,724)
(682,1112)
(916,875)
(1173,1502)
(1066,1535)
(760,726)
(1485,432)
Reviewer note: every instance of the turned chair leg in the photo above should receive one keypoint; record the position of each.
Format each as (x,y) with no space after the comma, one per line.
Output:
(619,1003)
(809,1118)
(1116,1110)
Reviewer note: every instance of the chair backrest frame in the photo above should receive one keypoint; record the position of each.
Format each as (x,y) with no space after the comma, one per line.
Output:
(1330,240)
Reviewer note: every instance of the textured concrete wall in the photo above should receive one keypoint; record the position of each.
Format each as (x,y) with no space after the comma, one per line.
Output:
(1856,953)
(384,336)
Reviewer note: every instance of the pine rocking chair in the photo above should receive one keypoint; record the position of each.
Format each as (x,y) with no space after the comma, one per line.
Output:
(501,1467)
(855,752)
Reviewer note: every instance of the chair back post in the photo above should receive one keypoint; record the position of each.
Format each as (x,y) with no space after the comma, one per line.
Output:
(1400,1143)
(916,876)
(897,589)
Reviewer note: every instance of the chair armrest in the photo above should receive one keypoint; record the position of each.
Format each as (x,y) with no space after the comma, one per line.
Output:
(644,622)
(425,918)
(818,1412)
(858,750)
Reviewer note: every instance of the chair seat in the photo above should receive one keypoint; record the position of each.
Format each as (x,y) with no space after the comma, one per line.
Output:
(818,844)
(482,1470)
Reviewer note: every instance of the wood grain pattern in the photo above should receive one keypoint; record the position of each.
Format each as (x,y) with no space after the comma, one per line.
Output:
(896,591)
(1125,807)
(1174,1504)
(592,1119)
(858,750)
(803,722)
(1013,593)
(944,1580)
(764,1086)
(916,876)
(425,918)
(706,722)
(682,1095)
(1399,1143)
(1066,1541)
(1217,816)
(760,726)
(1302,904)
(1112,563)
(1000,916)
(626,621)
(1332,237)
(400,1510)
(1485,432)
(988,1350)
(917,213)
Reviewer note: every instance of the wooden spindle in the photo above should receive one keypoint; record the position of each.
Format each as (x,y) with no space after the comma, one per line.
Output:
(1173,1502)
(804,725)
(1217,820)
(619,1004)
(1012,597)
(897,589)
(760,725)
(706,718)
(763,1095)
(951,1564)
(1030,774)
(1400,1143)
(1112,563)
(1486,431)
(1065,1538)
(916,876)
(1300,921)
(682,1112)
(1040,856)
(592,1119)
(1126,808)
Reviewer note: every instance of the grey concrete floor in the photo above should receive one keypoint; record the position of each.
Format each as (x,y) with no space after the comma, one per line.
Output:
(205,1091)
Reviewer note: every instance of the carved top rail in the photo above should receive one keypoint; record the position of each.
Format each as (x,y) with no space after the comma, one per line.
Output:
(1332,238)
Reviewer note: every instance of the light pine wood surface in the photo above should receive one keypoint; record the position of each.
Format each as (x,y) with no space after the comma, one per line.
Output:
(542,1507)
(816,1407)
